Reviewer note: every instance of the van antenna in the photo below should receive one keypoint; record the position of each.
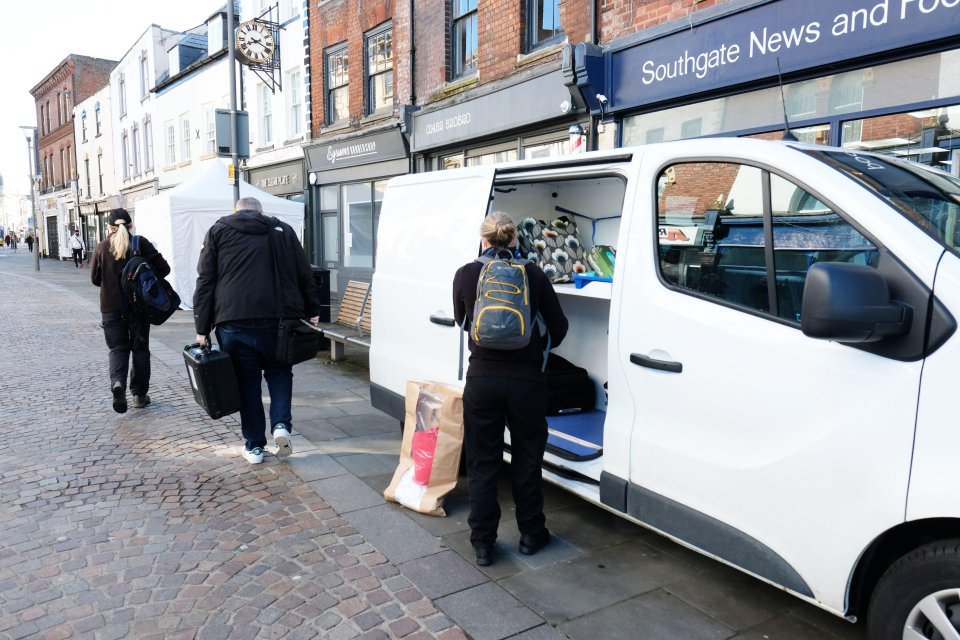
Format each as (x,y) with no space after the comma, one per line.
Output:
(787,134)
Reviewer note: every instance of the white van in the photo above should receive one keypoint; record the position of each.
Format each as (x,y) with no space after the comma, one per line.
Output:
(777,346)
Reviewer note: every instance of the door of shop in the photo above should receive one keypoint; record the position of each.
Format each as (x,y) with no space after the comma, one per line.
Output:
(53,242)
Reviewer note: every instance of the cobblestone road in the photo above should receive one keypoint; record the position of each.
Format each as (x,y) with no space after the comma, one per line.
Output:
(149,524)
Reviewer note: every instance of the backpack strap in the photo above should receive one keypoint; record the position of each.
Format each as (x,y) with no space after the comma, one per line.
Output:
(135,245)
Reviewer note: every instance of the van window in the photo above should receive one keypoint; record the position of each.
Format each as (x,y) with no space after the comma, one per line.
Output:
(928,198)
(713,222)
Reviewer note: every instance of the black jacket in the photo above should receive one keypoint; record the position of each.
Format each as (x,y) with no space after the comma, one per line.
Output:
(236,279)
(105,272)
(520,363)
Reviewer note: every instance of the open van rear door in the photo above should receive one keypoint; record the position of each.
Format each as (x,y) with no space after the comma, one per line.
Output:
(429,227)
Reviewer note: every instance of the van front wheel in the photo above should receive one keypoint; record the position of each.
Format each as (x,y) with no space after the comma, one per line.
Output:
(918,597)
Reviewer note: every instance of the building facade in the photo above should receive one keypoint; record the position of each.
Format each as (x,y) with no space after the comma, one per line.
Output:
(96,185)
(134,122)
(70,82)
(279,119)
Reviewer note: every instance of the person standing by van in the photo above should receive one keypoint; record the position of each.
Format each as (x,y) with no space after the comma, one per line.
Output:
(506,389)
(124,335)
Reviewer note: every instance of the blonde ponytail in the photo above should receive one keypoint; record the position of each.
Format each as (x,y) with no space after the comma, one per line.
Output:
(119,241)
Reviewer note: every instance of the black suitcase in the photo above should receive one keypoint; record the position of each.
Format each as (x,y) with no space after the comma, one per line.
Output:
(212,379)
(569,387)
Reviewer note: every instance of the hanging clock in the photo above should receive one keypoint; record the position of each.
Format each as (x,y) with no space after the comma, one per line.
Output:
(255,42)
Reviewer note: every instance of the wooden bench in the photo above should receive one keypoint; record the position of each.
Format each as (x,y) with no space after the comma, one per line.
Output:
(353,321)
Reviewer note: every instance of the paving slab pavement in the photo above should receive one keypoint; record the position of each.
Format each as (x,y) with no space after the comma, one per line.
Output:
(602,577)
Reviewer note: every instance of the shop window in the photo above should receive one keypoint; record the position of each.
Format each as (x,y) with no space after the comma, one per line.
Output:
(926,136)
(454,161)
(552,149)
(653,136)
(543,23)
(358,224)
(492,158)
(379,65)
(713,228)
(338,79)
(691,128)
(463,56)
(801,100)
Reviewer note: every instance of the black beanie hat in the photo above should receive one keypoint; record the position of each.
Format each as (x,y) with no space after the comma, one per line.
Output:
(119,216)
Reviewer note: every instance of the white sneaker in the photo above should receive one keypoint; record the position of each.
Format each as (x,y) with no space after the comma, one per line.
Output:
(253,456)
(281,438)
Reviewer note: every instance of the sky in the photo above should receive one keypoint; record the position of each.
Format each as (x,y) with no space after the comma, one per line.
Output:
(39,34)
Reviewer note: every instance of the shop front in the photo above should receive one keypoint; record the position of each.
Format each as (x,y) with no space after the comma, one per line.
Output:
(860,74)
(347,179)
(528,119)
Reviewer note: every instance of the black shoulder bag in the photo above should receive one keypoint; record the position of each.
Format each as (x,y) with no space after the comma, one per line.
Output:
(296,342)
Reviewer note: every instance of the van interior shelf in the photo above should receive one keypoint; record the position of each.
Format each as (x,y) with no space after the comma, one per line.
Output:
(591,290)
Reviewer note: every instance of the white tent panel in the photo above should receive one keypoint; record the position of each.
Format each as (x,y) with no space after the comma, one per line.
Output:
(176,221)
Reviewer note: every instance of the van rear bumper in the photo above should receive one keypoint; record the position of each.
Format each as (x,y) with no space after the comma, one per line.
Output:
(390,403)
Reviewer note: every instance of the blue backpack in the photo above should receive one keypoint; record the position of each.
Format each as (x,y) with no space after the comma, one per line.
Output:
(144,294)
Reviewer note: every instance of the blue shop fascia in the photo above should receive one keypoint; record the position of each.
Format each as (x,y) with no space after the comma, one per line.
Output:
(862,74)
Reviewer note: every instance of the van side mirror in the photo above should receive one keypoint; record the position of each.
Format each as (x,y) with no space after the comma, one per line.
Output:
(850,303)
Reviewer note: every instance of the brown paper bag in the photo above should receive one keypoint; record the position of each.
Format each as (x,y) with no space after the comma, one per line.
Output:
(430,452)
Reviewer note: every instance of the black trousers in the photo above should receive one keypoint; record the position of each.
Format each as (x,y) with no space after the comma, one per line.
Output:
(77,257)
(489,404)
(126,337)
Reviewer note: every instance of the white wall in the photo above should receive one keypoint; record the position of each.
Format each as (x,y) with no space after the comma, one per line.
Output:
(95,145)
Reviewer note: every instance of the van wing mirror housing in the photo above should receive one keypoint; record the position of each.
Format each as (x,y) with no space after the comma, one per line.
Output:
(850,303)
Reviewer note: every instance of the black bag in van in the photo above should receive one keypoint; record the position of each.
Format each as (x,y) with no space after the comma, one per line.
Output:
(569,387)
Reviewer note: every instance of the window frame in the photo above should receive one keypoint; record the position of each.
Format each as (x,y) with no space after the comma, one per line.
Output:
(533,27)
(385,29)
(122,93)
(458,68)
(144,76)
(337,50)
(125,154)
(147,143)
(83,125)
(265,98)
(98,122)
(294,97)
(170,142)
(184,124)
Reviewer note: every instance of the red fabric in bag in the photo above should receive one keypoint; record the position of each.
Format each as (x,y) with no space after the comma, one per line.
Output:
(421,450)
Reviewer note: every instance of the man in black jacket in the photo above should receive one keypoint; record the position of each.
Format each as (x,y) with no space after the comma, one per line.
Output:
(245,257)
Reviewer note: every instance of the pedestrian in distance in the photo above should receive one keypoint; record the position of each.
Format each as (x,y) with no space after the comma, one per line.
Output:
(506,389)
(245,280)
(30,243)
(76,246)
(126,334)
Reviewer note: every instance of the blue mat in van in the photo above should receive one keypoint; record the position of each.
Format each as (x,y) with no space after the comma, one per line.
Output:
(576,436)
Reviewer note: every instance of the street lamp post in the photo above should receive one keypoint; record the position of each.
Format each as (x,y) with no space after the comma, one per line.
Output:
(30,133)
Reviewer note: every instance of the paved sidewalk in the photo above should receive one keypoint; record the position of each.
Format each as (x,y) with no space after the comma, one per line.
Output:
(149,524)
(174,485)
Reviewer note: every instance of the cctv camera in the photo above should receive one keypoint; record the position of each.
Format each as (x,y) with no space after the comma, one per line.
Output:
(602,98)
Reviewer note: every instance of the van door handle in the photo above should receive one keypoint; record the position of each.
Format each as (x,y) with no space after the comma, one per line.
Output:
(653,363)
(444,320)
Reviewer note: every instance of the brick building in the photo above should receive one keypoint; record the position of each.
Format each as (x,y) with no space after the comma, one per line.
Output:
(70,82)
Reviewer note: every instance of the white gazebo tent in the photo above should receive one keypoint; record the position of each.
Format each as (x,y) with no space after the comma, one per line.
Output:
(176,221)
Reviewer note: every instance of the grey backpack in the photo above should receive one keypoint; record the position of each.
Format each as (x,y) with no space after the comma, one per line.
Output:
(501,313)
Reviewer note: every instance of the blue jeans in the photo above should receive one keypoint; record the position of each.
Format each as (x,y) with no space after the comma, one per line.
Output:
(252,346)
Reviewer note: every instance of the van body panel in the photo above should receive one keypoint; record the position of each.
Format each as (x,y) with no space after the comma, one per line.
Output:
(785,438)
(936,475)
(429,227)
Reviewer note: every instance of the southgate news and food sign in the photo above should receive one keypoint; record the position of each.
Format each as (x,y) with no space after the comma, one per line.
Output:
(746,46)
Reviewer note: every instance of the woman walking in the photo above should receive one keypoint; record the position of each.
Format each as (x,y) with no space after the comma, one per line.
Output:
(506,389)
(130,334)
